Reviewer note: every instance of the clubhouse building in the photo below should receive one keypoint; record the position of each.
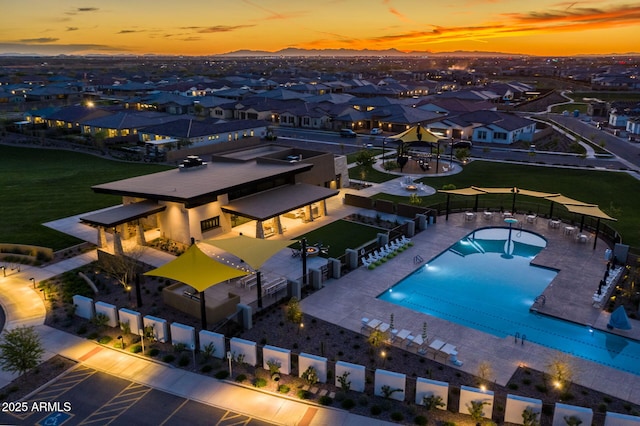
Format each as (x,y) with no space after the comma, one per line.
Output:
(269,184)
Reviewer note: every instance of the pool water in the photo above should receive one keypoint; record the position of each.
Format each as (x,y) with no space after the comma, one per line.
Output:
(486,281)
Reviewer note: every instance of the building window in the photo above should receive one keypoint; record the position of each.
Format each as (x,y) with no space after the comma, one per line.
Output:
(482,134)
(209,224)
(500,136)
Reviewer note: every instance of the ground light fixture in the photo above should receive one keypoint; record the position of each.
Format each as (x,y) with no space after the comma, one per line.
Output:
(33,280)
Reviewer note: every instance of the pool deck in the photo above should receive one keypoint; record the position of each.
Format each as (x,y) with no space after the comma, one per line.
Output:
(569,296)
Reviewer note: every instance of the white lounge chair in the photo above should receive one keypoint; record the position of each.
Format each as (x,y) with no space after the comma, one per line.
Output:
(405,240)
(365,262)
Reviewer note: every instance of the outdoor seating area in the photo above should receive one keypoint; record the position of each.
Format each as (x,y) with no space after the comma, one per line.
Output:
(385,251)
(405,338)
(606,286)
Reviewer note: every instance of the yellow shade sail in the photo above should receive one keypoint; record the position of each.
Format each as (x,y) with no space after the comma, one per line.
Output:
(415,134)
(196,269)
(588,210)
(253,251)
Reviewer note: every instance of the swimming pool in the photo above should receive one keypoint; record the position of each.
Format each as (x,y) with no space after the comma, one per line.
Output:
(486,281)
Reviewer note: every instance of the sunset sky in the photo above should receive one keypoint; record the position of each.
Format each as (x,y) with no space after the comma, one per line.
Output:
(206,27)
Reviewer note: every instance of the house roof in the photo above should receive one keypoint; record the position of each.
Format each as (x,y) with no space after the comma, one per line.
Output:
(123,214)
(192,128)
(130,120)
(200,185)
(277,201)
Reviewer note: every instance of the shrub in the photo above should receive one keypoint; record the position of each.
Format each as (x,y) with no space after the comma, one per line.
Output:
(526,381)
(363,400)
(348,404)
(221,375)
(325,400)
(154,352)
(206,368)
(136,349)
(260,382)
(168,358)
(420,420)
(541,388)
(283,389)
(513,386)
(105,339)
(303,394)
(375,410)
(82,329)
(184,361)
(397,416)
(602,407)
(241,378)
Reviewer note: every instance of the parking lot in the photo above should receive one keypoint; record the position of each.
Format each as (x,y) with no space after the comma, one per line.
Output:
(87,396)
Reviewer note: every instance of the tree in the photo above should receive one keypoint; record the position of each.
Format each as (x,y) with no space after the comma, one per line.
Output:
(561,371)
(124,268)
(530,417)
(294,312)
(365,160)
(476,410)
(20,350)
(432,402)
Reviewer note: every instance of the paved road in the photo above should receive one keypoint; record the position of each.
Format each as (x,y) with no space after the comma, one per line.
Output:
(87,396)
(330,141)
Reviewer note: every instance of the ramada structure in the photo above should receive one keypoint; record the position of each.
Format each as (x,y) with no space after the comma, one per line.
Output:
(201,200)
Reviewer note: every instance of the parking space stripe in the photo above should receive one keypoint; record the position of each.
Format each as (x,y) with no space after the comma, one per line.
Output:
(120,403)
(230,419)
(62,384)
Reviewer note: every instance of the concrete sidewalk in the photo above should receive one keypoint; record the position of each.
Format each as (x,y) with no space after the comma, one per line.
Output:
(23,306)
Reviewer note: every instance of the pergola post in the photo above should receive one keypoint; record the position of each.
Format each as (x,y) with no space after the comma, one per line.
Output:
(278,225)
(259,288)
(117,242)
(447,214)
(102,237)
(140,234)
(259,229)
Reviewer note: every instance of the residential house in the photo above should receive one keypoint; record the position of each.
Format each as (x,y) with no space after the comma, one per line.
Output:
(201,132)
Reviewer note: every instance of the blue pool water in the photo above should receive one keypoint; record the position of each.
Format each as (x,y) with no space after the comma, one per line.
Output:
(485,281)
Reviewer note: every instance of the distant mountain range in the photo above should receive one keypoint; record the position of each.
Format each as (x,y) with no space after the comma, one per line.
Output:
(291,51)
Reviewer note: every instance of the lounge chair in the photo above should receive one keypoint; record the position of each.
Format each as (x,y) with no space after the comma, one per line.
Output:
(405,240)
(365,262)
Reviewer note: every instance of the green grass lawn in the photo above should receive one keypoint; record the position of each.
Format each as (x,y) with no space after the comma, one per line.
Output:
(40,185)
(614,192)
(43,185)
(340,235)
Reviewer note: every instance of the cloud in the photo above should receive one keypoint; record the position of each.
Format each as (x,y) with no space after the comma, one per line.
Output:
(57,49)
(392,10)
(39,40)
(87,9)
(72,28)
(130,31)
(273,15)
(568,17)
(223,28)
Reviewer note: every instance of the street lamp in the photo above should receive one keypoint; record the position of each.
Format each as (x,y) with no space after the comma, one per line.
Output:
(33,280)
(451,158)
(383,354)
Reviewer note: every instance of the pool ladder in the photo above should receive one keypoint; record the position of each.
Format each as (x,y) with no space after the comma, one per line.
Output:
(542,299)
(518,336)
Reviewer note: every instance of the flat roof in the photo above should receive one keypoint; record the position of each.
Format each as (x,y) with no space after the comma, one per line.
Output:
(199,185)
(277,201)
(123,214)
